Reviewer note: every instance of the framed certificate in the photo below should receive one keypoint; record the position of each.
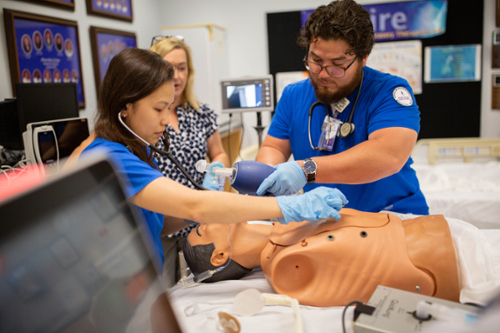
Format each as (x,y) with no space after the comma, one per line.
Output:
(116,9)
(62,4)
(43,49)
(106,43)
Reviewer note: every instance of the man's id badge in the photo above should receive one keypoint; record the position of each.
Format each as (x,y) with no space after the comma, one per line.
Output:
(329,131)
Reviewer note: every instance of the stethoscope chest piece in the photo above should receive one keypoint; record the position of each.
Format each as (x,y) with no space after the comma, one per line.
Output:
(346,129)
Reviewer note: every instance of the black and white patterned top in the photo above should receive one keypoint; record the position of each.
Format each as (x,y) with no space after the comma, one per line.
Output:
(188,147)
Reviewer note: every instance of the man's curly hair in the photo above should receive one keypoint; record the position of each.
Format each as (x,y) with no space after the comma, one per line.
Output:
(340,20)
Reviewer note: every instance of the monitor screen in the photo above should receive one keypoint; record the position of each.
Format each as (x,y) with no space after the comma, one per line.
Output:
(48,101)
(247,94)
(79,259)
(46,143)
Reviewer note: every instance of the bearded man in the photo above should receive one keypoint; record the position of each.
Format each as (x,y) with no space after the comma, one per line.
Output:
(348,126)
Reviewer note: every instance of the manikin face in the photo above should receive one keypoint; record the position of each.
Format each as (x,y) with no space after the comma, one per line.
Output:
(334,53)
(149,116)
(209,233)
(241,241)
(178,58)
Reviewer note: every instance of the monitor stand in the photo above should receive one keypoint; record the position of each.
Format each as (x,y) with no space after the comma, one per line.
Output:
(259,128)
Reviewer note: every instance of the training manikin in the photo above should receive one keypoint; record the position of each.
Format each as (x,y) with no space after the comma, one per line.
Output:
(334,263)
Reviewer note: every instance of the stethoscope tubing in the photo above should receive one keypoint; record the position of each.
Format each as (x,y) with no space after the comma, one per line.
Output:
(328,109)
(163,153)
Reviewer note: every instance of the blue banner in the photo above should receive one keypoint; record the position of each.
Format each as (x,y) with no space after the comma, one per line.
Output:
(404,20)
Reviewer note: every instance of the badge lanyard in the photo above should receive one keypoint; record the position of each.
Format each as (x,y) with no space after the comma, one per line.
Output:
(329,129)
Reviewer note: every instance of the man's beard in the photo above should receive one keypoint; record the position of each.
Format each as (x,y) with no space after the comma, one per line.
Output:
(326,96)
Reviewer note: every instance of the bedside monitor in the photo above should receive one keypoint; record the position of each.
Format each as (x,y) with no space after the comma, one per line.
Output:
(49,142)
(247,94)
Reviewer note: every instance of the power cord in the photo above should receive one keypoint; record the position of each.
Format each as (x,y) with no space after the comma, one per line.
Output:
(360,308)
(242,136)
(229,139)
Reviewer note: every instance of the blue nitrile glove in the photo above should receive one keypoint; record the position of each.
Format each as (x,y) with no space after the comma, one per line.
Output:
(322,202)
(288,179)
(210,180)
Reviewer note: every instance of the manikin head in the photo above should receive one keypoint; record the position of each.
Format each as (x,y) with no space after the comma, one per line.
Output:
(340,35)
(209,246)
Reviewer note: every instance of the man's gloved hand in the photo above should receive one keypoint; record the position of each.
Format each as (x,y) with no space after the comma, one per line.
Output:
(322,202)
(210,180)
(288,179)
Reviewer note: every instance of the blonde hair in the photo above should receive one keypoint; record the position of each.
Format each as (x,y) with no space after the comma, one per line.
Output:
(164,46)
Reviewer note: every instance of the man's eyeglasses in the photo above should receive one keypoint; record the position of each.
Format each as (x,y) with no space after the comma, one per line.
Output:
(158,38)
(333,71)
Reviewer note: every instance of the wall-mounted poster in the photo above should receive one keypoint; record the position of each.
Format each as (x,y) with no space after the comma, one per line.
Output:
(283,79)
(117,9)
(453,63)
(63,4)
(43,49)
(106,43)
(403,59)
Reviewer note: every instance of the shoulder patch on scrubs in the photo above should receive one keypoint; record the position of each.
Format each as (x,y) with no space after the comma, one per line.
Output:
(402,96)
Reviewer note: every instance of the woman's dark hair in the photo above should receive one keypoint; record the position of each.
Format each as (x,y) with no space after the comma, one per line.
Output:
(198,259)
(132,75)
(340,20)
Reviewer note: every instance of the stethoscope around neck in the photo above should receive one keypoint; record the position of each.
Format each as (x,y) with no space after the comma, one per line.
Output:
(347,128)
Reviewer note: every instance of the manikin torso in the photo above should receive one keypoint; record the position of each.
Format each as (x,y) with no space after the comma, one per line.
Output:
(328,263)
(334,263)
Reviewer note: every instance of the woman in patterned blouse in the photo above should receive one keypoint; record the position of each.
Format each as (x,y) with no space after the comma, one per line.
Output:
(194,135)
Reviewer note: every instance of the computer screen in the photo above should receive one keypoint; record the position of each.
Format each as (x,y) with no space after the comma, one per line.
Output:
(48,101)
(76,257)
(247,94)
(10,135)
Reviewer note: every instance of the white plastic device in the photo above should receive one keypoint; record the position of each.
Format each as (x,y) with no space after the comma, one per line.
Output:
(44,140)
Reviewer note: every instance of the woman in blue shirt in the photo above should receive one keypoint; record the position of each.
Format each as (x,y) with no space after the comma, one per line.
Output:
(138,88)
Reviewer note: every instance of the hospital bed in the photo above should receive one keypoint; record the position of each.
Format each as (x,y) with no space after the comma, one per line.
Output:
(197,308)
(460,178)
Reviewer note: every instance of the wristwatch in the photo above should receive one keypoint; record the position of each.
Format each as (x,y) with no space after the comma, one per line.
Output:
(309,167)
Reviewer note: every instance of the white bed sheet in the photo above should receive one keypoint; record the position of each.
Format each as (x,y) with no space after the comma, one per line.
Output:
(466,191)
(478,255)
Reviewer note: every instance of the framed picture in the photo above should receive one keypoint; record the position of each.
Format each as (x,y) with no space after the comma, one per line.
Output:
(62,4)
(453,63)
(43,49)
(117,9)
(106,43)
